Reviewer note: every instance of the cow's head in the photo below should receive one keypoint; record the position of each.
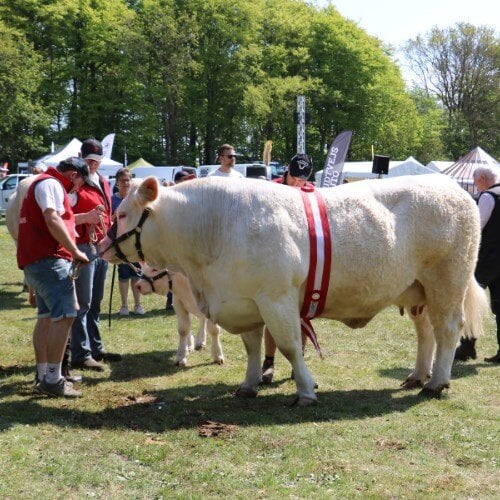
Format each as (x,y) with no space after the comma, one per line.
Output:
(123,240)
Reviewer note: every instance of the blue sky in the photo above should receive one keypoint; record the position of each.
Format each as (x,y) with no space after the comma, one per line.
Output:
(396,21)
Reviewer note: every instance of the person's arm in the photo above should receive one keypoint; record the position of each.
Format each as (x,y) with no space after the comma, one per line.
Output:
(58,230)
(486,204)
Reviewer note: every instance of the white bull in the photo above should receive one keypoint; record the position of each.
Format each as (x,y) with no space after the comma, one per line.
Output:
(408,241)
(184,305)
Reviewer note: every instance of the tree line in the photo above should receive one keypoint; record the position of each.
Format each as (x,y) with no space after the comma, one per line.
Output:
(176,78)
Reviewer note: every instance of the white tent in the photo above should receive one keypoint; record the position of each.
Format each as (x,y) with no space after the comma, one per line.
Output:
(463,169)
(438,165)
(73,149)
(358,170)
(409,167)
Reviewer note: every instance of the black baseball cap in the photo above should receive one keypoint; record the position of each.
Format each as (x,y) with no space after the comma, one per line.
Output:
(301,166)
(183,175)
(75,163)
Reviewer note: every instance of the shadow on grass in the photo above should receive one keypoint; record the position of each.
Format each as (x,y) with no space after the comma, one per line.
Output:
(12,300)
(458,370)
(186,407)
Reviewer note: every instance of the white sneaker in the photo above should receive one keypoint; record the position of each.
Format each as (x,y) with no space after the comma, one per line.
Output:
(139,310)
(123,311)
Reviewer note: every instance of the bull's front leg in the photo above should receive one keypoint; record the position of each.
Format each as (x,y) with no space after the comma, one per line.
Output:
(282,319)
(215,347)
(250,386)
(201,338)
(184,329)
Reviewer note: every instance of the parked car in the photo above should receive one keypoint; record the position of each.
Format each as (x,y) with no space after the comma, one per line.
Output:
(7,186)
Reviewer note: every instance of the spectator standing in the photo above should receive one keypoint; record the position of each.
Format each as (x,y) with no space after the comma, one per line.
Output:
(92,209)
(487,181)
(46,248)
(227,159)
(125,272)
(298,171)
(4,171)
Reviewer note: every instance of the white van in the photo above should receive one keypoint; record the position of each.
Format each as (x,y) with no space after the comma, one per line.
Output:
(250,170)
(8,185)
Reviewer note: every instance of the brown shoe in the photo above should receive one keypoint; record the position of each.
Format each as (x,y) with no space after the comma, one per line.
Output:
(88,364)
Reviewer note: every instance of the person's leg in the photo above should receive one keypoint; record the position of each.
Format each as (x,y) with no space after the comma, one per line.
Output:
(40,334)
(57,339)
(93,316)
(80,343)
(138,309)
(494,288)
(123,287)
(270,351)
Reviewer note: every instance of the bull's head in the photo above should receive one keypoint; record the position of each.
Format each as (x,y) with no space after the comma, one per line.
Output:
(123,240)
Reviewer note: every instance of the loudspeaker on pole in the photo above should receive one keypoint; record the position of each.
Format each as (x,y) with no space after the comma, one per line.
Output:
(380,164)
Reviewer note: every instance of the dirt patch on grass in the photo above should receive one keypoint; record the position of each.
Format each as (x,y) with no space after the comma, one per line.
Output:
(210,428)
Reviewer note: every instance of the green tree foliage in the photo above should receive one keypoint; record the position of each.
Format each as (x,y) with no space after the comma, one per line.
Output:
(176,78)
(460,66)
(24,120)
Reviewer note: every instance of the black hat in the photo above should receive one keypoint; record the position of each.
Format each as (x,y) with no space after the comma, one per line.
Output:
(183,175)
(301,166)
(75,163)
(91,150)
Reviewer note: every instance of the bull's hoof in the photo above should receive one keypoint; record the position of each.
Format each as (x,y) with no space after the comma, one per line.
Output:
(183,363)
(411,383)
(304,401)
(430,393)
(219,361)
(246,392)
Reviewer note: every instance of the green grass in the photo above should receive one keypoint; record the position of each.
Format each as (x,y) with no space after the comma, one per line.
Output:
(136,431)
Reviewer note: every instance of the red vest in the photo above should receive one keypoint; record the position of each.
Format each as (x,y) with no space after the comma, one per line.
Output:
(88,198)
(35,241)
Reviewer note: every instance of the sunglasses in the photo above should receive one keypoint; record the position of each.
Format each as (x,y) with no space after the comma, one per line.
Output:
(231,156)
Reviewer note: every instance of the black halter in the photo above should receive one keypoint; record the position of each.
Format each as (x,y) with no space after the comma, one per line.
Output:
(151,279)
(115,242)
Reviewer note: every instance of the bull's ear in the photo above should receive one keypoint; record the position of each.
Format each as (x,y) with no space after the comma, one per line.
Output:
(148,190)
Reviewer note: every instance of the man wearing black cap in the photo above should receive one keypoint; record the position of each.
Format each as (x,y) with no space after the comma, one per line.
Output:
(299,170)
(93,217)
(46,248)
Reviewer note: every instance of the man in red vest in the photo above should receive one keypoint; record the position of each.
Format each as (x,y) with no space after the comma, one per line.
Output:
(46,248)
(92,209)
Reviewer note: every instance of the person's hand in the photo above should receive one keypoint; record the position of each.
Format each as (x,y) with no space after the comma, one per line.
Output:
(94,216)
(80,257)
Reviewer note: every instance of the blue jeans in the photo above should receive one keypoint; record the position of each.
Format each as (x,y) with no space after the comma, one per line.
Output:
(55,293)
(85,335)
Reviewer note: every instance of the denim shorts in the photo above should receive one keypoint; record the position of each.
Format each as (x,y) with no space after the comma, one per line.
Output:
(55,290)
(125,272)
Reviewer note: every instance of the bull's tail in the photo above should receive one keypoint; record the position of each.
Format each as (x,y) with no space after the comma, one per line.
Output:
(475,308)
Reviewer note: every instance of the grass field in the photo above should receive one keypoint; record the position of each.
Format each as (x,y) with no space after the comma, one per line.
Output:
(146,429)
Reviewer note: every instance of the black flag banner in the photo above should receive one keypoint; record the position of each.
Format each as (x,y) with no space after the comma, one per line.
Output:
(334,162)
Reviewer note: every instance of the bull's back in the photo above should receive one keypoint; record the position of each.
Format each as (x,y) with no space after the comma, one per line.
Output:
(385,232)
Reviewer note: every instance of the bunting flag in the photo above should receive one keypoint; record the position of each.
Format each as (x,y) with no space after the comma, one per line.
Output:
(107,145)
(334,162)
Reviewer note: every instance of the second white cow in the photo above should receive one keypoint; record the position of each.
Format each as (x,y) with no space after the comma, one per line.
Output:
(161,281)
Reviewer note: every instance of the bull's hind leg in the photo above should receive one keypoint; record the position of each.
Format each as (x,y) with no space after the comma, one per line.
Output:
(250,386)
(445,306)
(425,348)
